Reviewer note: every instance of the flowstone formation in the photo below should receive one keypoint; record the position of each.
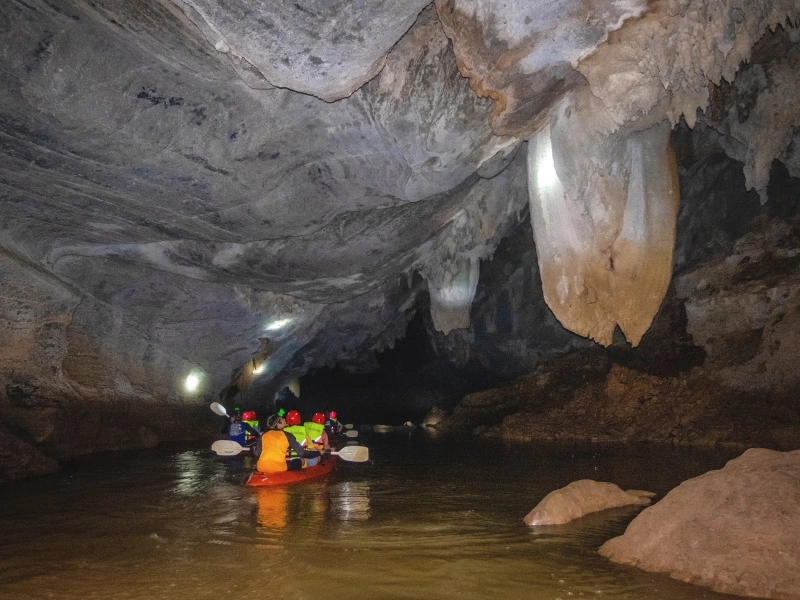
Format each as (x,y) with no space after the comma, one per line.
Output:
(234,194)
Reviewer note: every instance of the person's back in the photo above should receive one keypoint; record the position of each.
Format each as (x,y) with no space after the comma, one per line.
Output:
(295,427)
(236,430)
(274,445)
(280,451)
(315,437)
(252,429)
(332,426)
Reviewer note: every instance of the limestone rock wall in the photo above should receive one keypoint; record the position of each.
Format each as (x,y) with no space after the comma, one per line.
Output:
(742,309)
(328,49)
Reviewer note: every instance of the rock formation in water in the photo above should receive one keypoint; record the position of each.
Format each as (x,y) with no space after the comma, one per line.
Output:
(734,530)
(580,498)
(237,195)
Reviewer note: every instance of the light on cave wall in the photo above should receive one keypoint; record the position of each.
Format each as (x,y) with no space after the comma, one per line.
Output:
(278,324)
(192,382)
(452,293)
(260,368)
(457,295)
(546,176)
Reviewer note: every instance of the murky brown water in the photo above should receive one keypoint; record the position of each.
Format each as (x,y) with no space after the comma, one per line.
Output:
(424,519)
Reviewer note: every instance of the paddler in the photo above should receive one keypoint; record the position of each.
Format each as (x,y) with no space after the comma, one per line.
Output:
(238,429)
(316,438)
(294,427)
(251,435)
(332,425)
(280,450)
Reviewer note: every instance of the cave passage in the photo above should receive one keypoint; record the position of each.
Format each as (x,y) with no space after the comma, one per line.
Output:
(515,244)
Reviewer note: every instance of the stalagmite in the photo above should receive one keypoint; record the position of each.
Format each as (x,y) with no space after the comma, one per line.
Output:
(603,210)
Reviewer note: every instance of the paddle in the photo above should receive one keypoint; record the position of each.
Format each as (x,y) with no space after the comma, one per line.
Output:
(219,409)
(348,426)
(351,434)
(228,448)
(351,453)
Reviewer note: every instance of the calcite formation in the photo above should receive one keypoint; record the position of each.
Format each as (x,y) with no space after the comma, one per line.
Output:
(523,55)
(603,209)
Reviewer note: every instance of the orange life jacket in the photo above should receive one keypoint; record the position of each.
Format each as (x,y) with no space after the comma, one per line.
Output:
(273,452)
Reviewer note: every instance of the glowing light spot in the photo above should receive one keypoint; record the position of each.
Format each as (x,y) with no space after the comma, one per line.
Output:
(259,369)
(278,324)
(546,175)
(192,383)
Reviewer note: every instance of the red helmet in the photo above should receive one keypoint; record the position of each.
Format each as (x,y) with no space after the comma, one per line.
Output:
(318,418)
(249,415)
(293,418)
(332,414)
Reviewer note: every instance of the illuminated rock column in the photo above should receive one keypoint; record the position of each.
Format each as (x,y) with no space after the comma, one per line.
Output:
(604,210)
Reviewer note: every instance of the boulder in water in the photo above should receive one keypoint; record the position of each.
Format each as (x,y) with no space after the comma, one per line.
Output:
(735,530)
(433,417)
(580,498)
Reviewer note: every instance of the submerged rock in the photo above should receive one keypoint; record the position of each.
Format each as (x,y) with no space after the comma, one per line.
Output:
(580,498)
(18,459)
(734,530)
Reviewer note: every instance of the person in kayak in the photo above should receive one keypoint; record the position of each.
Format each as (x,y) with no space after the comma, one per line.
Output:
(332,426)
(251,435)
(294,426)
(316,437)
(278,450)
(238,429)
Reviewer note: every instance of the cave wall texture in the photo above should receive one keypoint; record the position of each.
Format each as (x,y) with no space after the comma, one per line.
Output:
(191,187)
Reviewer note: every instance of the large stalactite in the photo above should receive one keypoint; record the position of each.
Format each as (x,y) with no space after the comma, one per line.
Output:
(603,210)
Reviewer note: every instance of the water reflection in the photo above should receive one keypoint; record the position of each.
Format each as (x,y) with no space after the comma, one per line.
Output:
(189,472)
(350,501)
(272,509)
(285,509)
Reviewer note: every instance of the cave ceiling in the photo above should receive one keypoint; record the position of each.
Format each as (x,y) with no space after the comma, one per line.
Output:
(196,185)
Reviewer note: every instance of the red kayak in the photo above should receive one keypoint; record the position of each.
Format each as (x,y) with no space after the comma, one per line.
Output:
(282,477)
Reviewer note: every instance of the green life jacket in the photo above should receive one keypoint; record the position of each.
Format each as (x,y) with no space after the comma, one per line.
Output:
(248,437)
(299,433)
(313,433)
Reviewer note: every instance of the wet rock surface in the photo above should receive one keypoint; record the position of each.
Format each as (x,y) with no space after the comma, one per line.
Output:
(580,498)
(733,530)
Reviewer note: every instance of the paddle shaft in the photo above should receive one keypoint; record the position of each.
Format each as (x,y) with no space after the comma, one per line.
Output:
(350,453)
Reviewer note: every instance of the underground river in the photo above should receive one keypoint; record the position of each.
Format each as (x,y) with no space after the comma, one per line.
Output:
(425,518)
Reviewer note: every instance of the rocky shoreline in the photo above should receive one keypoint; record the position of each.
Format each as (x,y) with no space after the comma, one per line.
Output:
(625,405)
